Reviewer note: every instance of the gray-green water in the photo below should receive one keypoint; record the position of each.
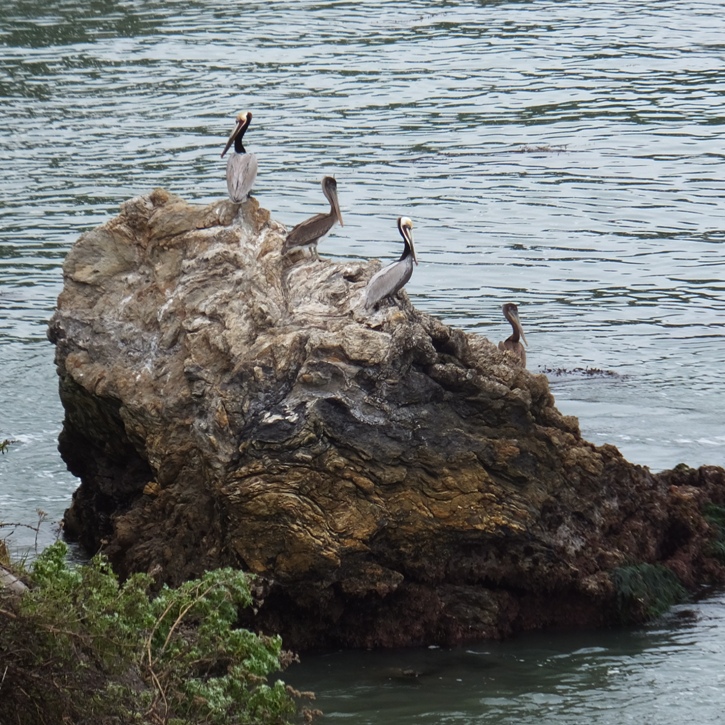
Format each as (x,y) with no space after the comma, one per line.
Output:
(669,673)
(567,156)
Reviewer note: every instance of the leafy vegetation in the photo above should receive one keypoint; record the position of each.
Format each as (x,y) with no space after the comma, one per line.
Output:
(79,647)
(645,591)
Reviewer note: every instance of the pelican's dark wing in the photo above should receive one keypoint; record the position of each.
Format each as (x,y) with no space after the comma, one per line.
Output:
(514,348)
(310,230)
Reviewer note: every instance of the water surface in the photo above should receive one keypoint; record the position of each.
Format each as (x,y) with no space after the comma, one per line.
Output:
(670,672)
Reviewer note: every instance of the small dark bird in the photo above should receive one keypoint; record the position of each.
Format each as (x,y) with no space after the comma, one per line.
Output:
(511,344)
(241,166)
(392,278)
(308,233)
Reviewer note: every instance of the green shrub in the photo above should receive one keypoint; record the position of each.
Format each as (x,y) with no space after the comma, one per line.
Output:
(80,648)
(645,591)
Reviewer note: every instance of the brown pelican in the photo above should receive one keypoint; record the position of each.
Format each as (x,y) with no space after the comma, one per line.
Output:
(511,344)
(241,166)
(392,278)
(311,231)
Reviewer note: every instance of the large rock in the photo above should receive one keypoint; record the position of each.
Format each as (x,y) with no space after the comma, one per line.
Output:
(393,480)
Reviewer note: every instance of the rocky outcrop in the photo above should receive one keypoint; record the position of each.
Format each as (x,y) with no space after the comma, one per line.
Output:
(392,480)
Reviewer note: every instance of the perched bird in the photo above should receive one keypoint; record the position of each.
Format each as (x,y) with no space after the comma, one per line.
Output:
(308,233)
(392,278)
(511,344)
(241,166)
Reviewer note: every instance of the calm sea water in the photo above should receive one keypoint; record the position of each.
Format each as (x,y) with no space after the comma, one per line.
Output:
(668,673)
(567,156)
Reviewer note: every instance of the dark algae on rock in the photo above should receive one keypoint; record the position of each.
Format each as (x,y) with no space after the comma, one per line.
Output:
(392,480)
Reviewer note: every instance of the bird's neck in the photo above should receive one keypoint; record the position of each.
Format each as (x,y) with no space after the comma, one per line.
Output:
(515,336)
(238,145)
(406,250)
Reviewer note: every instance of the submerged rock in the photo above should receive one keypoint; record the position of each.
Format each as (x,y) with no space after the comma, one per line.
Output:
(392,480)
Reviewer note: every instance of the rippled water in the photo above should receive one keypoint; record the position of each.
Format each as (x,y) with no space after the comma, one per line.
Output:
(669,673)
(567,156)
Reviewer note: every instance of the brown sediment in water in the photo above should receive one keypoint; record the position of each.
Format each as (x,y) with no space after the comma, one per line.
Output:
(583,372)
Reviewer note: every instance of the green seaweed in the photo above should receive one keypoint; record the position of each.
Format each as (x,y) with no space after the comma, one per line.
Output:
(646,591)
(715,516)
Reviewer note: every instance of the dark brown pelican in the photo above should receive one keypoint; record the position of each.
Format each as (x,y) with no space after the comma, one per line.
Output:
(308,233)
(392,278)
(241,166)
(511,344)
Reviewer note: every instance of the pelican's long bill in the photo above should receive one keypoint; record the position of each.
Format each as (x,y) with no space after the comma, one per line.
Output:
(329,188)
(243,120)
(515,319)
(405,226)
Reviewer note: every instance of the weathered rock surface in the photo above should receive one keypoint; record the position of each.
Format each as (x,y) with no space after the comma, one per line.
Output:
(394,481)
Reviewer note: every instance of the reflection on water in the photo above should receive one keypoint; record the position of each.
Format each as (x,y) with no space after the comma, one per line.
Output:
(566,156)
(668,673)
